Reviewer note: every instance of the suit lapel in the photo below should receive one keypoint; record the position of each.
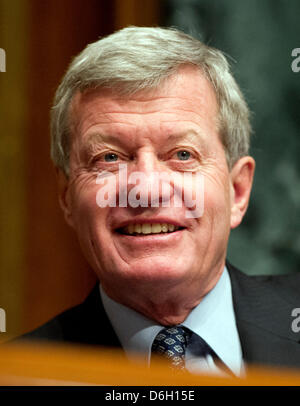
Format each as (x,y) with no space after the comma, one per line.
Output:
(263,317)
(89,324)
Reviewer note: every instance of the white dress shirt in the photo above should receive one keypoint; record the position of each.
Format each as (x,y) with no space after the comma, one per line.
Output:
(213,320)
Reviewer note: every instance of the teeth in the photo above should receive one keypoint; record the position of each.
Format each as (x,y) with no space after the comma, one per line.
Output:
(164,228)
(147,228)
(171,227)
(155,228)
(137,228)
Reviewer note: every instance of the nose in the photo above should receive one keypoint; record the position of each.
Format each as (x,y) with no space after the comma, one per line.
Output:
(150,183)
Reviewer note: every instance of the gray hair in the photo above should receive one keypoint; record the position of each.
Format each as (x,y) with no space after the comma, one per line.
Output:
(137,58)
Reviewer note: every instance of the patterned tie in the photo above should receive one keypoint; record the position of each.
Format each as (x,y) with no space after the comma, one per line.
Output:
(171,343)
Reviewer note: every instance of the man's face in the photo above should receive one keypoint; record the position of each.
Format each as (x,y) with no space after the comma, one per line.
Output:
(171,129)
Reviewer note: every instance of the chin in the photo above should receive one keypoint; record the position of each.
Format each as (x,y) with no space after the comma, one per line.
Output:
(153,270)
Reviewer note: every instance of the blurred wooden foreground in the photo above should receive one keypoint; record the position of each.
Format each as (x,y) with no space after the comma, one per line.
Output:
(47,365)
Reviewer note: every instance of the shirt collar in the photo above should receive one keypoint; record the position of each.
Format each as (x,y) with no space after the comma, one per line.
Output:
(213,319)
(135,332)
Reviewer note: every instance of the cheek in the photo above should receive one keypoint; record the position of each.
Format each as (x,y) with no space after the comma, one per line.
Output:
(85,209)
(217,202)
(213,228)
(90,225)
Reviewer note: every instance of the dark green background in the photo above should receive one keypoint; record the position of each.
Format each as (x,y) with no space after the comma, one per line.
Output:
(260,35)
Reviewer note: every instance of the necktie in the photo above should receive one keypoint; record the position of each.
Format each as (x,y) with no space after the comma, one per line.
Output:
(171,343)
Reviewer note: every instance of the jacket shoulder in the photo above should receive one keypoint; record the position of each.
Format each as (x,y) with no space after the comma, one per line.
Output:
(252,287)
(86,323)
(264,307)
(56,328)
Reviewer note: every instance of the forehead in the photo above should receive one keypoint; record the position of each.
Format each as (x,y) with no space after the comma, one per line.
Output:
(185,98)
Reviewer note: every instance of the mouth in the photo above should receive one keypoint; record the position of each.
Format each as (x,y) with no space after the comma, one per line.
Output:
(146,229)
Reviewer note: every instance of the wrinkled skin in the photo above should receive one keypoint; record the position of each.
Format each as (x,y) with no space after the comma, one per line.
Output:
(161,276)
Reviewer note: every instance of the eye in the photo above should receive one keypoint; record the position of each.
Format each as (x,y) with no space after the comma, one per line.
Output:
(111,157)
(183,155)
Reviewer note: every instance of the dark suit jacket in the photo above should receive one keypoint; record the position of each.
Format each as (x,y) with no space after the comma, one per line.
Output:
(262,305)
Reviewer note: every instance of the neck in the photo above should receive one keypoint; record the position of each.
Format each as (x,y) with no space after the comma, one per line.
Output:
(165,305)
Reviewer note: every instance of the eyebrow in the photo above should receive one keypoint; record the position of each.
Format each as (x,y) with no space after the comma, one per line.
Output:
(191,135)
(96,139)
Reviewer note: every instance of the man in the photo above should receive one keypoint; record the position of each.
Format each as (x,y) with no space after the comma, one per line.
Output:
(150,137)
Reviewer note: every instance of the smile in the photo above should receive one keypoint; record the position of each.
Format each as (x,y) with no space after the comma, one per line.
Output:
(148,229)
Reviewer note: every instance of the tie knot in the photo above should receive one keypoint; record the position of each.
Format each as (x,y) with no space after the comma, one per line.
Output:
(171,343)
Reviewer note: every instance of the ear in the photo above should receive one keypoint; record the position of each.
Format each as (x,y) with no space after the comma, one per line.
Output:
(64,196)
(241,177)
